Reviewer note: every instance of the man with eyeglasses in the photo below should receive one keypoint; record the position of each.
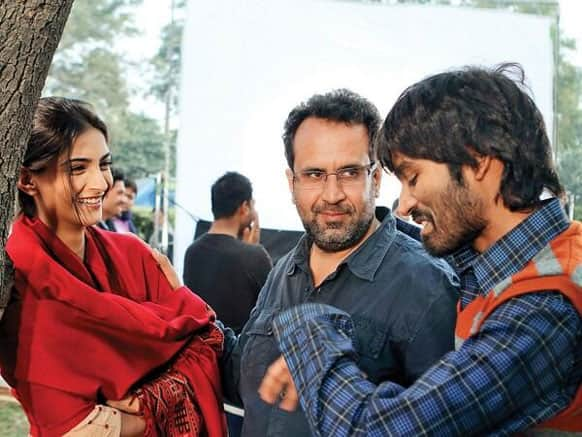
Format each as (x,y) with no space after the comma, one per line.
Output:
(402,300)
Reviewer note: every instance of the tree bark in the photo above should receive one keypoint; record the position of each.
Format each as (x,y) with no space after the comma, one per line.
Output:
(30,31)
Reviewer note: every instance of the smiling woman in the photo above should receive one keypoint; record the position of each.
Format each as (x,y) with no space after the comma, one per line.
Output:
(66,192)
(94,342)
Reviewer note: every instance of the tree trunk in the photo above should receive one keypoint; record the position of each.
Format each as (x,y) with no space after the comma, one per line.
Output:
(30,31)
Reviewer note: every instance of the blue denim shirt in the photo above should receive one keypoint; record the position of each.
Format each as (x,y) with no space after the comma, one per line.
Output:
(402,302)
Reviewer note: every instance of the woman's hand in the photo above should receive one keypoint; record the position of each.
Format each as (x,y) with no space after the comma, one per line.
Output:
(129,405)
(167,269)
(132,426)
(132,423)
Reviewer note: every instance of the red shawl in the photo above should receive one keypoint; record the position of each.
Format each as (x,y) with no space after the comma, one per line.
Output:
(75,334)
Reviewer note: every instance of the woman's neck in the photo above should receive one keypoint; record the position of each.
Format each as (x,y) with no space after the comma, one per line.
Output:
(72,236)
(75,242)
(74,239)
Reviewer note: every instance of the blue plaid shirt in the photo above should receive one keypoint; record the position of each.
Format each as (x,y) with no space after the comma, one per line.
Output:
(522,368)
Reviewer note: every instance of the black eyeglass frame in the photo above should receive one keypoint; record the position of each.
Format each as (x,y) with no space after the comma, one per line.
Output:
(370,168)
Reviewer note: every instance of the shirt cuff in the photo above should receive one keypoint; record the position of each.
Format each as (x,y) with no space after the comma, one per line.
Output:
(313,338)
(315,315)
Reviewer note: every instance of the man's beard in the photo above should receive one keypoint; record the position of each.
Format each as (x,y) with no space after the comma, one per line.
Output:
(460,220)
(348,235)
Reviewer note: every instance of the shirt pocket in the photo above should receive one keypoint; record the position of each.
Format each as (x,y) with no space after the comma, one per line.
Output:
(263,324)
(260,349)
(370,336)
(372,345)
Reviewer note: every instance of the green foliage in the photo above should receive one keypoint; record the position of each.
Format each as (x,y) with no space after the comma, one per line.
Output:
(88,67)
(569,100)
(167,62)
(570,169)
(97,22)
(12,420)
(137,149)
(143,220)
(96,78)
(85,66)
(533,7)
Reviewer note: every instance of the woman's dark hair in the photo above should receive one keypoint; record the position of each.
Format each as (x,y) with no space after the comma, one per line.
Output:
(57,122)
(341,105)
(450,117)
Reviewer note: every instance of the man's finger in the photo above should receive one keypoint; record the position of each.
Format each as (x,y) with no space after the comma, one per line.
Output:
(277,386)
(291,399)
(274,381)
(273,384)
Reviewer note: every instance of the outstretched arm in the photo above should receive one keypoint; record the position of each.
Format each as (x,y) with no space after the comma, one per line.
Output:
(500,380)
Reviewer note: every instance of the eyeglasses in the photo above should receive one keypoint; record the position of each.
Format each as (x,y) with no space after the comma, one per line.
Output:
(346,177)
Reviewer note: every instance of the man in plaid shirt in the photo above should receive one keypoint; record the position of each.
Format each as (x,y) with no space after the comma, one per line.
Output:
(475,163)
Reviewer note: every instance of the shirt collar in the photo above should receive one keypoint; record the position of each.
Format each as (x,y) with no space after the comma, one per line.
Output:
(515,249)
(365,261)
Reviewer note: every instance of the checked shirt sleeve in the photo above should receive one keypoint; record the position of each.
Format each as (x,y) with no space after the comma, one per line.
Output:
(518,371)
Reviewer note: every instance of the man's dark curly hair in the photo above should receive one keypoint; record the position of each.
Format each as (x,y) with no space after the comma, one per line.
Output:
(340,105)
(450,117)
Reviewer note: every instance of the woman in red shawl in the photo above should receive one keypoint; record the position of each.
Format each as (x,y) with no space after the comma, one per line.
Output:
(99,337)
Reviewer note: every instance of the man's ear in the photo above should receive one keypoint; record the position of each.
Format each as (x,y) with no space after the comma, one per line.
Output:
(377,179)
(26,182)
(244,208)
(290,177)
(483,166)
(289,174)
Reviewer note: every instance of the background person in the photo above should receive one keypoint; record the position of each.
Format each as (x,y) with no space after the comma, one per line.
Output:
(222,268)
(124,222)
(114,201)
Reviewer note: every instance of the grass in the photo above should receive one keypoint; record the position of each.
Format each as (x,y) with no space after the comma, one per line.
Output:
(13,422)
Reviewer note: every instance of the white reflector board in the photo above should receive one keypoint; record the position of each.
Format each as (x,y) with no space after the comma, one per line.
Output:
(246,64)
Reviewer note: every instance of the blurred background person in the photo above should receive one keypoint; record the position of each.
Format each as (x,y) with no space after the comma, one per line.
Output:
(114,201)
(124,221)
(226,266)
